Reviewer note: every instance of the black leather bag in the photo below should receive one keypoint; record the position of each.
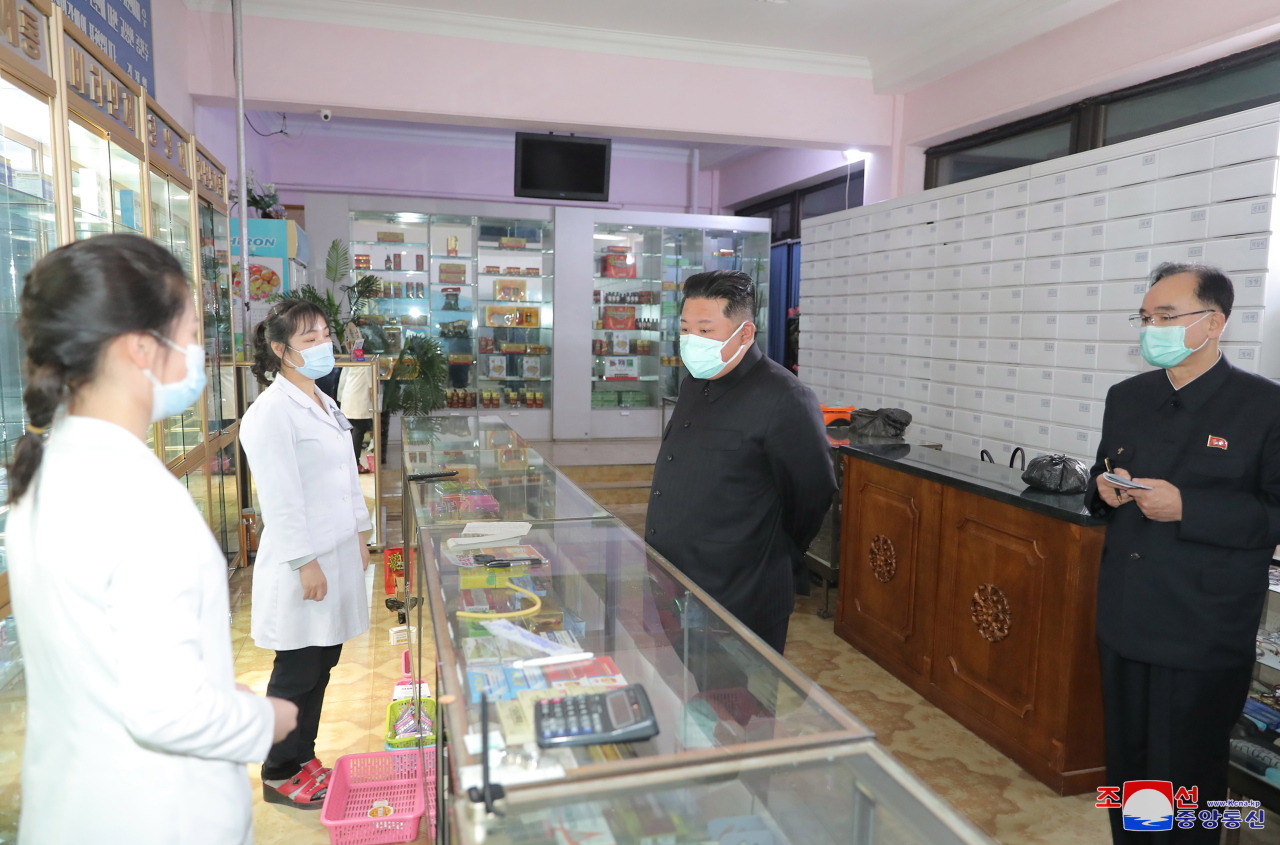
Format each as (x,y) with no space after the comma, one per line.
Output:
(886,422)
(1056,474)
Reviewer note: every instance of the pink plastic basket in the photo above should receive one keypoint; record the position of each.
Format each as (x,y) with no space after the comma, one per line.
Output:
(396,777)
(407,665)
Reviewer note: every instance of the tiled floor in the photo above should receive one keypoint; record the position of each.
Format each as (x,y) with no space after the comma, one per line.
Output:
(355,707)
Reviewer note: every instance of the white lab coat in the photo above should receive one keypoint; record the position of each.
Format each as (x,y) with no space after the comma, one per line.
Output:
(355,392)
(136,733)
(312,506)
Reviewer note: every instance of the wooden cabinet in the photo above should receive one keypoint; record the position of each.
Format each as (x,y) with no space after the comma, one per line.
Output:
(984,608)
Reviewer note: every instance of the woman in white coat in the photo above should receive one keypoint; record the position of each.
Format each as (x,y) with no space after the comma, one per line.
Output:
(309,592)
(137,732)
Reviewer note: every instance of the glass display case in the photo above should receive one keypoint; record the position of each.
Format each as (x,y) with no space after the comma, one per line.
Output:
(855,794)
(90,181)
(639,274)
(29,231)
(627,300)
(482,287)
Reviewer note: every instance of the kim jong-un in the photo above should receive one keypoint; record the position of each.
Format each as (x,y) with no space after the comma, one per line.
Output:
(1184,568)
(744,475)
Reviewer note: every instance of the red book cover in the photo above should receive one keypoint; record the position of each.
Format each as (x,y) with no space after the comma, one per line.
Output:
(597,668)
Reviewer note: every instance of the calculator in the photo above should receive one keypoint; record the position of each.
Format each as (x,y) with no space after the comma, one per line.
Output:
(620,715)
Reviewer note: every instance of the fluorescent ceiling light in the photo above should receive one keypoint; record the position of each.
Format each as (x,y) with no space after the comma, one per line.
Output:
(852,155)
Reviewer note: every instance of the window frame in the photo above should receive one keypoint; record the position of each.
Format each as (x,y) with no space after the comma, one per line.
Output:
(795,199)
(1088,117)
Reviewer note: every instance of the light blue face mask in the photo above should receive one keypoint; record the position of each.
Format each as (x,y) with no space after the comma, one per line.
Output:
(701,355)
(317,362)
(1166,347)
(168,400)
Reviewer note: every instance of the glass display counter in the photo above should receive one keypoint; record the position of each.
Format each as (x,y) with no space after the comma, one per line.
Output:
(499,478)
(856,794)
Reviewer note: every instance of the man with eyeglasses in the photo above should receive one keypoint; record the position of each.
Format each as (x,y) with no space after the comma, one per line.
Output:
(1184,568)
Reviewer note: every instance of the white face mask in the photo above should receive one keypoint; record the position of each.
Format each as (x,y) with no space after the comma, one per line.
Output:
(175,397)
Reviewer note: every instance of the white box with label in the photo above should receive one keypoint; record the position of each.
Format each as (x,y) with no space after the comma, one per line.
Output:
(1078,326)
(972,349)
(1006,299)
(1132,201)
(975,276)
(1006,325)
(1248,358)
(921,346)
(979,225)
(1012,194)
(1080,297)
(1073,441)
(1086,209)
(1090,238)
(1250,289)
(1126,264)
(1075,383)
(1132,170)
(919,368)
(1082,268)
(1002,378)
(969,374)
(1077,355)
(1121,357)
(997,427)
(1043,271)
(1009,221)
(947,348)
(1039,353)
(1186,158)
(1007,273)
(977,202)
(970,398)
(1000,402)
(1031,434)
(1004,351)
(1046,242)
(974,302)
(1034,406)
(1073,412)
(1040,298)
(1052,186)
(924,235)
(1250,217)
(899,238)
(1047,215)
(1009,247)
(1184,192)
(1247,145)
(1035,380)
(1129,233)
(1244,326)
(1256,179)
(952,207)
(1087,180)
(1233,254)
(968,422)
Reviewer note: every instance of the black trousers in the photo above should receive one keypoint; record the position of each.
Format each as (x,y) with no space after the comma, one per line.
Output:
(775,633)
(359,428)
(1169,724)
(300,675)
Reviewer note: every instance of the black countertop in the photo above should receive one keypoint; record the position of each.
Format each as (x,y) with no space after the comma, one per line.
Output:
(993,481)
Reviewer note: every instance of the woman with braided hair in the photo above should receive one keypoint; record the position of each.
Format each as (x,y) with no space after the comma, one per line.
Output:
(136,729)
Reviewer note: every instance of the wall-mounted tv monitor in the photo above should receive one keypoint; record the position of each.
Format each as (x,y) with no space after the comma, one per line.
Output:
(562,167)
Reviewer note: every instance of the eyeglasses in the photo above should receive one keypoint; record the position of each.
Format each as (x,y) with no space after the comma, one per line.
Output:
(1139,321)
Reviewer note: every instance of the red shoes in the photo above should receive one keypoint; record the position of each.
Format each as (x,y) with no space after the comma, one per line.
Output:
(305,790)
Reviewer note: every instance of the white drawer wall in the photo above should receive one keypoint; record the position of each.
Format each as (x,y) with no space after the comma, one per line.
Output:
(995,310)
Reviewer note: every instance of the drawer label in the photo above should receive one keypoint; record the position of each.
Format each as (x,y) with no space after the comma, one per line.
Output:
(1259,208)
(1257,243)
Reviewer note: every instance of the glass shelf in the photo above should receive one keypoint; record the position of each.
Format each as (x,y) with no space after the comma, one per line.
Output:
(515,276)
(391,244)
(625,380)
(513,378)
(506,250)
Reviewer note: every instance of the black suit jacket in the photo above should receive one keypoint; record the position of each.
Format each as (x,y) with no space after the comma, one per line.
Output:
(1189,594)
(741,484)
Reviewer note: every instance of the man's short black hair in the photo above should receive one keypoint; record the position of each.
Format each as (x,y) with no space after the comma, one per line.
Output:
(1213,289)
(733,286)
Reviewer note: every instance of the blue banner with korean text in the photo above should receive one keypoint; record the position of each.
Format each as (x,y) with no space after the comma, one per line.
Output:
(119,28)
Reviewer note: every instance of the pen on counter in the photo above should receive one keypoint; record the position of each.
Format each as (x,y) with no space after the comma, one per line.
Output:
(553,660)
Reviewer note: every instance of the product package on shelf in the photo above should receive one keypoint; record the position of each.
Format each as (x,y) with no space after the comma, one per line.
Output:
(497,366)
(509,316)
(617,367)
(511,290)
(453,274)
(618,263)
(620,317)
(531,367)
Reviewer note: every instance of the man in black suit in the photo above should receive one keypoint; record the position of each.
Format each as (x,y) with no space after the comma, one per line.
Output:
(744,475)
(1184,569)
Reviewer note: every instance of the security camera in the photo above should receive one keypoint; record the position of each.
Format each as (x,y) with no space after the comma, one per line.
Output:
(326,115)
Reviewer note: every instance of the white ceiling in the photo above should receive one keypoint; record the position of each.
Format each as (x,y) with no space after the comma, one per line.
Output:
(900,44)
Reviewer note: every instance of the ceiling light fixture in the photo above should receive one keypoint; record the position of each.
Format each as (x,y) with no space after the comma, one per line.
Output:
(852,155)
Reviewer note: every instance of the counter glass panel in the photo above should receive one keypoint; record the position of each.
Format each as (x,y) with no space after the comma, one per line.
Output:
(161,228)
(853,795)
(716,690)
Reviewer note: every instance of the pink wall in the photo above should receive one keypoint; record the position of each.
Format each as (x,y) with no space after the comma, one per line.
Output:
(300,66)
(316,161)
(1126,43)
(169,54)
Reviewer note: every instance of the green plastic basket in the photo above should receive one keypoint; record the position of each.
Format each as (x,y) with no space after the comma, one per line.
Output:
(394,709)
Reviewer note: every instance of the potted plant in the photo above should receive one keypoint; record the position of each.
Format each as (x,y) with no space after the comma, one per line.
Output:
(417,384)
